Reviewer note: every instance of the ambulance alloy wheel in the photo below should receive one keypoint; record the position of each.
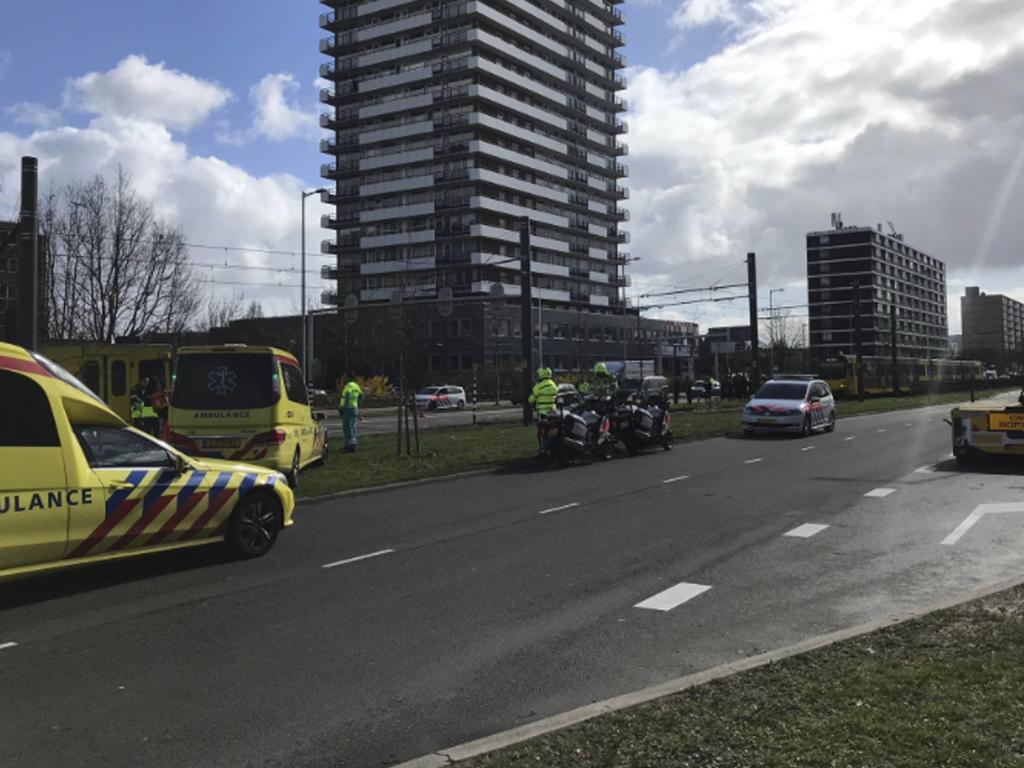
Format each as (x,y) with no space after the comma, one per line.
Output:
(254,525)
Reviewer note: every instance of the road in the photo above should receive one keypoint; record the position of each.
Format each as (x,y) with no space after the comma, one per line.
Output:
(381,421)
(395,624)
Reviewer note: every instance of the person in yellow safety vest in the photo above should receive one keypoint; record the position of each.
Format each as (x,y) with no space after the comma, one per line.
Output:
(543,399)
(144,415)
(348,407)
(602,384)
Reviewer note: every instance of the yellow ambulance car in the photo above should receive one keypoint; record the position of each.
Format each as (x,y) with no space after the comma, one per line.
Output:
(245,403)
(78,485)
(987,427)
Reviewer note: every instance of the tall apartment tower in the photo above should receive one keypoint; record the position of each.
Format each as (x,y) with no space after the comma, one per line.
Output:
(993,326)
(454,120)
(885,271)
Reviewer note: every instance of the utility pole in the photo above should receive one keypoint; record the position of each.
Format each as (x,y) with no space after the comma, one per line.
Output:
(771,330)
(755,365)
(892,348)
(857,340)
(526,315)
(303,360)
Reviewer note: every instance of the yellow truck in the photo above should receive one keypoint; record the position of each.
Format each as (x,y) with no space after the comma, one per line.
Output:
(78,485)
(987,427)
(113,370)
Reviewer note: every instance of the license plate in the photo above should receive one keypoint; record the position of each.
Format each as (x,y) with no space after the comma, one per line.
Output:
(766,421)
(1006,422)
(220,442)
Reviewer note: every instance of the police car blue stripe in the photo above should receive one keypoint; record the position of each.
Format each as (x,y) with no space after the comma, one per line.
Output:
(247,482)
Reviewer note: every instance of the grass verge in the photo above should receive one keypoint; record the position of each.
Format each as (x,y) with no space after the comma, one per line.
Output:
(445,451)
(941,690)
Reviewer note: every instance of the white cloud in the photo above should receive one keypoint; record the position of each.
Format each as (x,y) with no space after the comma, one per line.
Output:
(140,90)
(276,117)
(211,201)
(699,13)
(910,111)
(30,113)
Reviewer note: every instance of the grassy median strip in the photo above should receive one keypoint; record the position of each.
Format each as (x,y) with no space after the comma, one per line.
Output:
(943,690)
(445,451)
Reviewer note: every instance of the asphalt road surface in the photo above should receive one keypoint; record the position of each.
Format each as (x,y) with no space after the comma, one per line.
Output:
(395,624)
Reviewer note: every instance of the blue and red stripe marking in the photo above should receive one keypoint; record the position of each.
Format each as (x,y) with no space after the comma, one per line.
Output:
(188,499)
(118,506)
(153,504)
(220,494)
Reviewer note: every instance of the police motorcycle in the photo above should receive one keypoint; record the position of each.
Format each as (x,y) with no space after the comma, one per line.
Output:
(642,419)
(577,427)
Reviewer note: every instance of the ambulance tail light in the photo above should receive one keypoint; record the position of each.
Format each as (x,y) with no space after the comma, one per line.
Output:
(277,437)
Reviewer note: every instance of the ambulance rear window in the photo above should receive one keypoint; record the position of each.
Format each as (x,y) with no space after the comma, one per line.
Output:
(212,381)
(26,420)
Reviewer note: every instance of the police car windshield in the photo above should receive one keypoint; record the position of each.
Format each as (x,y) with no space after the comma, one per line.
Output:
(214,381)
(782,390)
(430,391)
(60,373)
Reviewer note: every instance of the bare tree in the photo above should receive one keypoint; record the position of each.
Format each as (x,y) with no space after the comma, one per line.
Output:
(254,311)
(220,312)
(113,269)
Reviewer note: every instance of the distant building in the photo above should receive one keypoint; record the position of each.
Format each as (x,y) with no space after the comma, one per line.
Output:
(956,345)
(886,272)
(993,327)
(451,123)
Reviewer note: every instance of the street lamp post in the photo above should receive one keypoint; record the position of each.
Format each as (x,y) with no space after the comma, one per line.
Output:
(302,300)
(771,329)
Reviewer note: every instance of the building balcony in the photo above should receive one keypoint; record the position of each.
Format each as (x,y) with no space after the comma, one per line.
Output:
(328,272)
(620,193)
(329,298)
(620,237)
(328,247)
(620,104)
(622,281)
(619,148)
(620,214)
(622,257)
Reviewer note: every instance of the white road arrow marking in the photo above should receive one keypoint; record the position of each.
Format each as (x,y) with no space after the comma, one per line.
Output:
(977,514)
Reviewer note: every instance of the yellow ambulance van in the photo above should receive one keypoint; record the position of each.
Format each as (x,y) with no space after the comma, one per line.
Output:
(245,403)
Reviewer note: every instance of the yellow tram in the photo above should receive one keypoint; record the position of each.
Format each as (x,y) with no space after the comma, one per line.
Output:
(916,374)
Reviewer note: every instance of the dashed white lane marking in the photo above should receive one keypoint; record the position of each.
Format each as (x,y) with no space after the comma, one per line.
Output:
(5,646)
(357,559)
(751,461)
(558,509)
(848,439)
(908,424)
(676,479)
(927,469)
(806,530)
(807,448)
(880,493)
(673,597)
(977,514)
(881,430)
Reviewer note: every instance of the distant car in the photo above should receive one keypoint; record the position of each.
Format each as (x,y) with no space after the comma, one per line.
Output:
(991,374)
(439,398)
(790,405)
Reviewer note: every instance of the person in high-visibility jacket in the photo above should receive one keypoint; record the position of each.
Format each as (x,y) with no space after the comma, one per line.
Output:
(543,399)
(144,415)
(602,384)
(348,407)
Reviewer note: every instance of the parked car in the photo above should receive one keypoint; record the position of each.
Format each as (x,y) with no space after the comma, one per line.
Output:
(802,405)
(443,397)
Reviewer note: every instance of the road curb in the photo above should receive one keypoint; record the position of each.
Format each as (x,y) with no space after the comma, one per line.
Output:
(395,486)
(461,752)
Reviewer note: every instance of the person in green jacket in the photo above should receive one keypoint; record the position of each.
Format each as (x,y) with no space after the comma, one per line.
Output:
(543,400)
(348,407)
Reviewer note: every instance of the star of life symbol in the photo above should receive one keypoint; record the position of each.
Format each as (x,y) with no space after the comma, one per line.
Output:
(222,381)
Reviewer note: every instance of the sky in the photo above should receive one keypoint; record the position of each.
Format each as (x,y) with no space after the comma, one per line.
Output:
(750,122)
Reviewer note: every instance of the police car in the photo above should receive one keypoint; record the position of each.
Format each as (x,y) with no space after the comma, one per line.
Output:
(78,485)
